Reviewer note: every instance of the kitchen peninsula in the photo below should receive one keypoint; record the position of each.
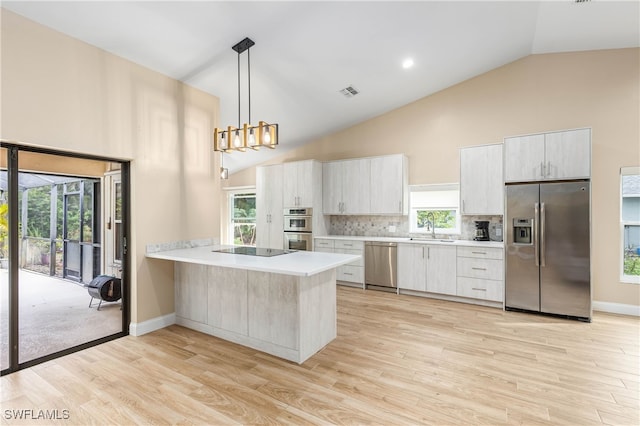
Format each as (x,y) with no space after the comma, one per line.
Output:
(283,304)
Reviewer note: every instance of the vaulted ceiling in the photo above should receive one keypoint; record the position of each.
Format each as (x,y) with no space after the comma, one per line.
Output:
(306,52)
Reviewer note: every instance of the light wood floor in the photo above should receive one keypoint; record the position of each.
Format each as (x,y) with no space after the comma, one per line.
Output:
(397,360)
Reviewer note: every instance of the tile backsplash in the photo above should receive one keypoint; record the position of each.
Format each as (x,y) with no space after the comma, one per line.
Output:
(381,226)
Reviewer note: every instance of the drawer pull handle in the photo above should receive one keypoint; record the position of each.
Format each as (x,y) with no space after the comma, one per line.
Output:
(348,273)
(479,252)
(480,269)
(478,289)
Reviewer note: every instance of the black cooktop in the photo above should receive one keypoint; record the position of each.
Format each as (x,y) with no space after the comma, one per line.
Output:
(253,251)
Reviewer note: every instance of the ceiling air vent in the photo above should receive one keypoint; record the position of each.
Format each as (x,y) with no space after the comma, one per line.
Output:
(349,92)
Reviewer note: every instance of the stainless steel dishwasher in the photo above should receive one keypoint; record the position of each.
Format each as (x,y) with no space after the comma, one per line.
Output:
(380,264)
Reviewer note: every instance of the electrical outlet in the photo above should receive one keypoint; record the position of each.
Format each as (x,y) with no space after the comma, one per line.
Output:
(392,228)
(498,231)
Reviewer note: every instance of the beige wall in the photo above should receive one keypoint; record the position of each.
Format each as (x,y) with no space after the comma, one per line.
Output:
(597,89)
(61,93)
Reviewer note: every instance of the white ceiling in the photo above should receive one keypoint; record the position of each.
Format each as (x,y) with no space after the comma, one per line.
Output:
(306,52)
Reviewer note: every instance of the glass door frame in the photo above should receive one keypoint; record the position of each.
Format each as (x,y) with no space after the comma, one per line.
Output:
(13,150)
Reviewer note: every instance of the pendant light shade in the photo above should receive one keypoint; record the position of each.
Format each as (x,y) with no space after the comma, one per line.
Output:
(245,135)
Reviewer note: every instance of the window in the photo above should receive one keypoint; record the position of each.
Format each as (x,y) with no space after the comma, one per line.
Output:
(242,213)
(630,224)
(434,205)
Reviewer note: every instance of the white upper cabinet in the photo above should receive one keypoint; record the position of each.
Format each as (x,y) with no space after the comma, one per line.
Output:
(389,185)
(345,187)
(568,154)
(481,182)
(548,156)
(332,187)
(298,183)
(356,186)
(269,207)
(523,158)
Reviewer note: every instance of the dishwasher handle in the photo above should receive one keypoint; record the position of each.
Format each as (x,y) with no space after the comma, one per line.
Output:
(380,244)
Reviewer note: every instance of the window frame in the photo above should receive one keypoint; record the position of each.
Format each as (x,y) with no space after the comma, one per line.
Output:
(624,278)
(228,220)
(413,211)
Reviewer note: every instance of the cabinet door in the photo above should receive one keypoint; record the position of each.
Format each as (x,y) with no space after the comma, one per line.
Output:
(306,184)
(332,187)
(191,291)
(290,184)
(276,226)
(412,267)
(355,186)
(269,207)
(568,154)
(298,185)
(388,185)
(523,158)
(262,206)
(441,269)
(481,183)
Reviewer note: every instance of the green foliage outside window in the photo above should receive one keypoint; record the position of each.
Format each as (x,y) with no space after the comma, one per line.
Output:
(4,229)
(244,219)
(444,219)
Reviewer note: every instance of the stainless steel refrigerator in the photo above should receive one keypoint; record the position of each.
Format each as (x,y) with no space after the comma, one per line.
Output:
(548,249)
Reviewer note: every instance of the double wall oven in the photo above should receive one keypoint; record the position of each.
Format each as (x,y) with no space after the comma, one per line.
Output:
(298,229)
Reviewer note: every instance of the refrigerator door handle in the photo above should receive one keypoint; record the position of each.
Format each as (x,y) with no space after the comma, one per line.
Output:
(535,233)
(542,220)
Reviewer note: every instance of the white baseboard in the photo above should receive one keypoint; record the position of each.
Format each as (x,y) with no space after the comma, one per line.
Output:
(617,308)
(144,327)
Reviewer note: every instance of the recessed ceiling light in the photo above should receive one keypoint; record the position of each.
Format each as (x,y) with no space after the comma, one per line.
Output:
(407,63)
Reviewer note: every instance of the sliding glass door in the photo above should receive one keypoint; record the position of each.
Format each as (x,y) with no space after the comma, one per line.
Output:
(51,304)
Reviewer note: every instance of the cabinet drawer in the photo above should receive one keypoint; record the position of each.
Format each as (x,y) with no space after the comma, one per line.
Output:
(481,252)
(321,243)
(354,274)
(359,262)
(324,249)
(489,269)
(480,289)
(349,244)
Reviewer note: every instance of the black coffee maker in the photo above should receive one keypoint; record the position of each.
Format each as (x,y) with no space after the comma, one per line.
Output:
(482,230)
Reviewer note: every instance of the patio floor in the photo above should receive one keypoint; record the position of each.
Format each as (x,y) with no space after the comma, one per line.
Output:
(54,314)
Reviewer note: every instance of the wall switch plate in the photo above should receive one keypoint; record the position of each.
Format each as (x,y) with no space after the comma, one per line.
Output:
(392,228)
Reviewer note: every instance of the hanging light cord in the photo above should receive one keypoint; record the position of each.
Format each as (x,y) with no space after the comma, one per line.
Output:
(238,90)
(249,79)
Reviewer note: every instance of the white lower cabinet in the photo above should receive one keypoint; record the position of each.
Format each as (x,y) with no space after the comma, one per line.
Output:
(480,273)
(351,272)
(412,267)
(430,268)
(476,288)
(470,272)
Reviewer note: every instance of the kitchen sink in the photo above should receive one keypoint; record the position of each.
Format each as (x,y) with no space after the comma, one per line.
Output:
(432,240)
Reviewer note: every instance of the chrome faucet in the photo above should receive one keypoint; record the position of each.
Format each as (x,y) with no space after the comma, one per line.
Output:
(433,224)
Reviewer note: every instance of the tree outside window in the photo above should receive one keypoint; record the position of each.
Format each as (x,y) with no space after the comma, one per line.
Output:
(434,203)
(243,218)
(445,220)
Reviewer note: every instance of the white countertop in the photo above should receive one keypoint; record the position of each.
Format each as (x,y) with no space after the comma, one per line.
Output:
(299,263)
(407,240)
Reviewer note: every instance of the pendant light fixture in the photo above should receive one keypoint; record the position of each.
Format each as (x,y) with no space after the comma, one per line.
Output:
(224,172)
(247,135)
